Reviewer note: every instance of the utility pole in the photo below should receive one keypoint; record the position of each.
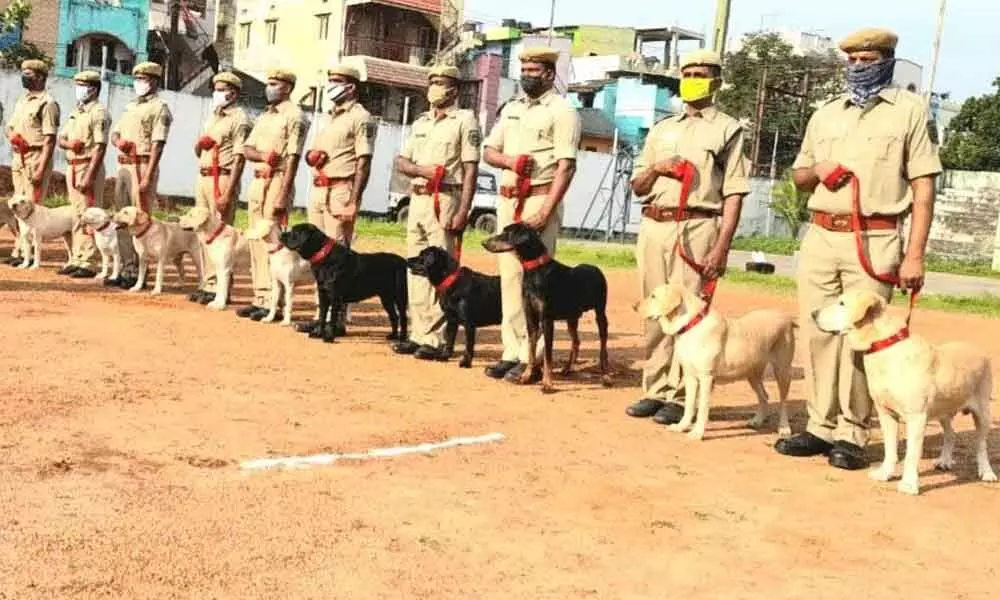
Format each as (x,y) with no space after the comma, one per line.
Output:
(721,26)
(552,21)
(937,49)
(759,121)
(174,58)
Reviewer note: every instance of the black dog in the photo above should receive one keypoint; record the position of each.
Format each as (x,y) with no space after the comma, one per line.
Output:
(467,297)
(554,292)
(343,276)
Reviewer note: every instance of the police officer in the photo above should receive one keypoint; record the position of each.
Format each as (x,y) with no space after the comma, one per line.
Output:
(31,133)
(535,143)
(85,139)
(710,142)
(139,136)
(882,135)
(340,162)
(442,158)
(220,164)
(274,145)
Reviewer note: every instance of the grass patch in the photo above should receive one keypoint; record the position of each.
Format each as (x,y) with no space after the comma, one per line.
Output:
(767,245)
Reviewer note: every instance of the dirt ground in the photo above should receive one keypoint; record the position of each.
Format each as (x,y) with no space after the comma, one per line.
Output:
(124,417)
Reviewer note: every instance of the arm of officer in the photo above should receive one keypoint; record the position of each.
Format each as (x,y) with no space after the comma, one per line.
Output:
(250,151)
(565,140)
(50,128)
(364,141)
(472,138)
(923,165)
(405,164)
(297,130)
(161,128)
(644,175)
(808,173)
(241,130)
(735,185)
(99,133)
(494,144)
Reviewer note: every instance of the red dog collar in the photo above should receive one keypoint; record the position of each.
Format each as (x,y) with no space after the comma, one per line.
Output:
(139,234)
(447,282)
(323,252)
(889,342)
(698,318)
(531,265)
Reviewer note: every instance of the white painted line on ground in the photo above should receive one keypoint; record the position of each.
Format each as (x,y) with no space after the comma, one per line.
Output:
(298,462)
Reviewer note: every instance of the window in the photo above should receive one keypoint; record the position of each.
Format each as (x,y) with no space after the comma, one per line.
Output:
(271,32)
(323,26)
(244,41)
(587,99)
(220,33)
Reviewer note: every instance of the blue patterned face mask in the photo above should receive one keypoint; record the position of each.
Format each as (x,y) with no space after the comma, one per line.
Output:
(864,82)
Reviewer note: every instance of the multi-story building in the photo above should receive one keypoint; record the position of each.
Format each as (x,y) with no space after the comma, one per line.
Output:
(40,28)
(93,35)
(391,42)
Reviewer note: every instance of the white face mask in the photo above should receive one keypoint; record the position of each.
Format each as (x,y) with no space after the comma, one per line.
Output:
(220,99)
(141,87)
(334,92)
(82,93)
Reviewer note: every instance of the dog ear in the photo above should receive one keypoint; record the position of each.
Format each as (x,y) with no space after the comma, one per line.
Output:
(864,307)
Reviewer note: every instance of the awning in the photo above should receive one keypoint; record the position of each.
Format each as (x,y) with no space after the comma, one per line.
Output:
(388,72)
(430,7)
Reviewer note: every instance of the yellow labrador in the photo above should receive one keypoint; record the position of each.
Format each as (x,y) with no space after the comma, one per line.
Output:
(711,348)
(37,224)
(225,248)
(912,381)
(287,269)
(162,241)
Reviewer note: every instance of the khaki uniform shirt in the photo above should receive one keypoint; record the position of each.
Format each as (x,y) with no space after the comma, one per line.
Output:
(886,145)
(146,120)
(36,115)
(89,124)
(347,133)
(448,141)
(229,127)
(547,128)
(280,129)
(709,139)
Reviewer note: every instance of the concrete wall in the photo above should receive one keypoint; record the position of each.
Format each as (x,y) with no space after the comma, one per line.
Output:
(966,215)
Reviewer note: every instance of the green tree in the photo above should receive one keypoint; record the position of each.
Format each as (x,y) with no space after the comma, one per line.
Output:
(15,16)
(794,85)
(790,202)
(973,135)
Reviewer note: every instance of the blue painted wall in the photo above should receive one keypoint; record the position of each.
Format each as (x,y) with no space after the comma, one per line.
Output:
(128,22)
(633,106)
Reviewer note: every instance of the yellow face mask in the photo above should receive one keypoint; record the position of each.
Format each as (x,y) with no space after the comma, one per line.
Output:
(696,88)
(437,94)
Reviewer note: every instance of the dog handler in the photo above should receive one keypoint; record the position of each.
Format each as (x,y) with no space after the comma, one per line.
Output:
(711,142)
(85,139)
(220,164)
(442,158)
(884,137)
(140,136)
(340,163)
(535,143)
(31,133)
(275,144)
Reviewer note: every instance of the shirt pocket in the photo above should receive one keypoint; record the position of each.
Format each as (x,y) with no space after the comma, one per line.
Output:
(885,147)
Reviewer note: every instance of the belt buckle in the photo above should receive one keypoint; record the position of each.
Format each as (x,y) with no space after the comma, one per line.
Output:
(840,221)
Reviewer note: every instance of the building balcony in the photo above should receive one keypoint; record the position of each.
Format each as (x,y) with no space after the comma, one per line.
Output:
(428,7)
(387,50)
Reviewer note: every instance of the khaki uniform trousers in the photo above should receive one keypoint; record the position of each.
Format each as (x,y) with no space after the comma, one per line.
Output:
(21,171)
(325,203)
(658,263)
(513,327)
(424,230)
(127,194)
(204,196)
(260,206)
(839,406)
(85,253)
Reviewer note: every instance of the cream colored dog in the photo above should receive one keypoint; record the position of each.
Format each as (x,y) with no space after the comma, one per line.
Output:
(912,381)
(287,269)
(40,224)
(711,348)
(105,238)
(225,247)
(161,241)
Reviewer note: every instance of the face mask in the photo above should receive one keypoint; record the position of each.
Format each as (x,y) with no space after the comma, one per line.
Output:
(272,93)
(141,87)
(220,99)
(335,91)
(694,89)
(532,86)
(27,81)
(437,94)
(82,93)
(864,82)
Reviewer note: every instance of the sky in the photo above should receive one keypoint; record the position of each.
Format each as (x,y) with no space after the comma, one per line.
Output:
(970,45)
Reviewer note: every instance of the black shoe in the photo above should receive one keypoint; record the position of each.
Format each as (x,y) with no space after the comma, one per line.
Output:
(108,282)
(206,298)
(499,369)
(406,347)
(83,273)
(514,375)
(431,353)
(803,444)
(67,270)
(13,260)
(197,296)
(670,413)
(126,283)
(645,408)
(261,313)
(339,329)
(306,326)
(848,456)
(248,311)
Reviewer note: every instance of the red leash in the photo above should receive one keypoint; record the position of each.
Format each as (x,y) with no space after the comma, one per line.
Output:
(20,144)
(435,186)
(523,185)
(685,172)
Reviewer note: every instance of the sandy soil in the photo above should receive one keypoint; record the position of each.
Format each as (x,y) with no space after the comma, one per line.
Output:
(124,418)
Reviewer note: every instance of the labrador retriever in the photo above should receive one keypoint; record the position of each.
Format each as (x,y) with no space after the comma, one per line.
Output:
(553,292)
(225,248)
(343,275)
(711,348)
(161,240)
(467,297)
(100,225)
(287,269)
(912,381)
(38,224)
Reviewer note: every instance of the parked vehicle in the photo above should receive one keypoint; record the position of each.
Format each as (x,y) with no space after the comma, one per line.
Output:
(484,204)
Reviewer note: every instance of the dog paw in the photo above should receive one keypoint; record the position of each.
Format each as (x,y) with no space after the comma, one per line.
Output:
(606,381)
(910,488)
(696,435)
(135,288)
(156,292)
(988,475)
(34,267)
(785,432)
(215,306)
(548,388)
(286,323)
(756,422)
(269,318)
(881,474)
(944,465)
(677,427)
